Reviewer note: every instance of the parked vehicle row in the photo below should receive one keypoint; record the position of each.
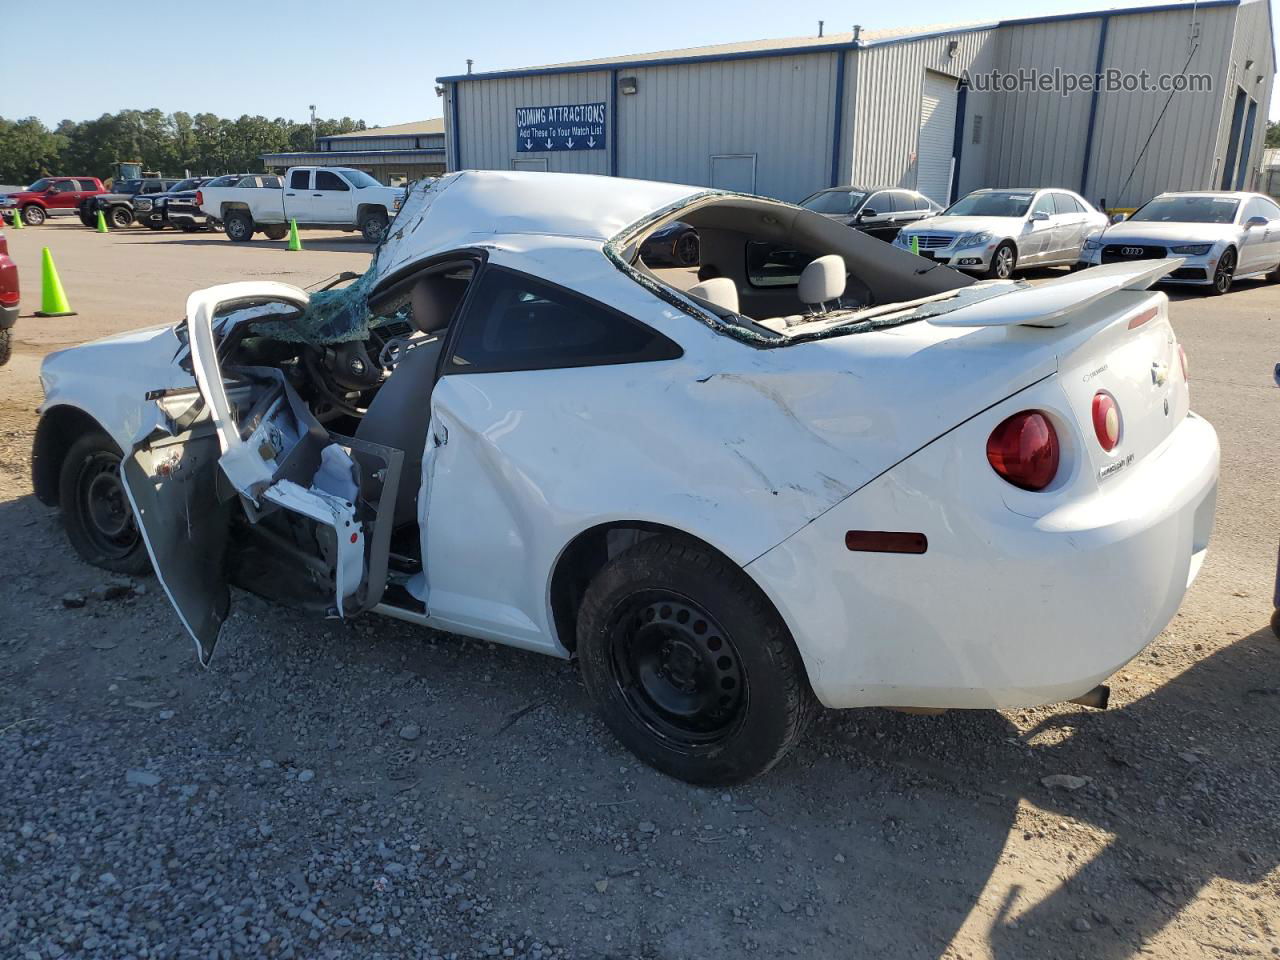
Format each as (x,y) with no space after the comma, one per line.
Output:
(693,486)
(118,205)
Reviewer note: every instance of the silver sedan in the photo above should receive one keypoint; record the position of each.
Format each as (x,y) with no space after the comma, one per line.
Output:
(1221,236)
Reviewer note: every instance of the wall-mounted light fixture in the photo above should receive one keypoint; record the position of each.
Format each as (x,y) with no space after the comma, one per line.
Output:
(629,86)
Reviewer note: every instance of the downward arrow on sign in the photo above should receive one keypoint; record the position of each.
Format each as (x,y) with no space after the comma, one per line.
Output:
(569,143)
(548,144)
(528,144)
(591,142)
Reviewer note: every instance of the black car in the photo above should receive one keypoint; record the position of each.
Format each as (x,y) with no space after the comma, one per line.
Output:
(183,209)
(152,210)
(675,245)
(118,205)
(878,211)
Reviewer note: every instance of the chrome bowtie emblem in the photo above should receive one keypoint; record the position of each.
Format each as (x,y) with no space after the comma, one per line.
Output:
(1159,373)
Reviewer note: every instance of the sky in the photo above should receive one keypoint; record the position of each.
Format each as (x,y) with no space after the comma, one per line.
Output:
(379,63)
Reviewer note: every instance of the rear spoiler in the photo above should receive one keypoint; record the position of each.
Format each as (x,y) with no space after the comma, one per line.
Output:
(1052,303)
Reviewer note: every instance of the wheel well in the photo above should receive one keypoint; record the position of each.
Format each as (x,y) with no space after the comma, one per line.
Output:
(229,206)
(586,554)
(58,429)
(367,208)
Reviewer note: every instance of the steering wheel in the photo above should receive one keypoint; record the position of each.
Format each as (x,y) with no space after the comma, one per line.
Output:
(344,376)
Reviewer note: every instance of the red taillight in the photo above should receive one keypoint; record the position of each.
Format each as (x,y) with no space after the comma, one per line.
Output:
(199,198)
(8,298)
(1024,450)
(1182,355)
(1106,420)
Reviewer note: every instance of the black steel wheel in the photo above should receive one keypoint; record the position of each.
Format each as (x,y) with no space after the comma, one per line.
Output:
(374,227)
(687,251)
(1225,272)
(120,217)
(95,508)
(690,665)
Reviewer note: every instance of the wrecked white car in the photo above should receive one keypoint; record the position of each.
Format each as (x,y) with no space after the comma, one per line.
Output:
(812,469)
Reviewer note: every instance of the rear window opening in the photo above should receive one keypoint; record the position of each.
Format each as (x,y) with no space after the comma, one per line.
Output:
(770,273)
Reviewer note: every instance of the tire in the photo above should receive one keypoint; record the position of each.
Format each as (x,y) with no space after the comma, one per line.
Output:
(689,664)
(275,232)
(374,226)
(120,217)
(95,509)
(1274,275)
(239,226)
(33,215)
(1224,273)
(156,226)
(89,218)
(188,227)
(1003,262)
(687,250)
(1275,622)
(6,345)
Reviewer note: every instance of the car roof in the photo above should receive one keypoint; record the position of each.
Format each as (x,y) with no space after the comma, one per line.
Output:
(1231,194)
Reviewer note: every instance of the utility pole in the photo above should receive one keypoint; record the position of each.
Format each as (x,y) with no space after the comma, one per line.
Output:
(313,126)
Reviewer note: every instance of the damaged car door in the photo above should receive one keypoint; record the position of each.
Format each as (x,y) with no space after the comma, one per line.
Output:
(238,481)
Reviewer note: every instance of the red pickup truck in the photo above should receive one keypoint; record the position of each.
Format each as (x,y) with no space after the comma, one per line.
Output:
(8,299)
(48,194)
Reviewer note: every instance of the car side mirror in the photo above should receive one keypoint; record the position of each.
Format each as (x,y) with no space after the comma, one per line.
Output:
(1119,217)
(866,212)
(1039,216)
(1256,222)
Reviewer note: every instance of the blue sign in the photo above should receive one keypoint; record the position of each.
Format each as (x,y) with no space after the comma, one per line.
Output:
(569,126)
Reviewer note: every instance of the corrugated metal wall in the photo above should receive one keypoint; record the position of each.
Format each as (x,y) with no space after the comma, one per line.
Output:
(487,117)
(1252,57)
(882,108)
(383,143)
(781,109)
(1180,155)
(1037,138)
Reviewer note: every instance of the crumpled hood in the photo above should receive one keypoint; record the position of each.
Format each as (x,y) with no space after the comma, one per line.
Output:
(1137,230)
(1004,226)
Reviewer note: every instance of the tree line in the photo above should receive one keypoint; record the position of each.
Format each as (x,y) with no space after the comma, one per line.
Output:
(171,143)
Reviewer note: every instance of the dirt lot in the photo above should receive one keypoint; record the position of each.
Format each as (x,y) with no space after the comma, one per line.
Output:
(373,790)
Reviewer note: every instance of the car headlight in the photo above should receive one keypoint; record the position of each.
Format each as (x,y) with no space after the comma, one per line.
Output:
(1192,249)
(973,239)
(1092,243)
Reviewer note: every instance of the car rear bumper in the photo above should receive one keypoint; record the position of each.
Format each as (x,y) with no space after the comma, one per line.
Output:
(1002,609)
(8,317)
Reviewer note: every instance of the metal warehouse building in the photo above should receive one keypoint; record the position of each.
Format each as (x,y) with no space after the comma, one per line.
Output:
(908,108)
(393,155)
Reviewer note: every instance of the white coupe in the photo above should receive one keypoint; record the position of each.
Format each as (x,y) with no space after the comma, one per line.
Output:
(816,470)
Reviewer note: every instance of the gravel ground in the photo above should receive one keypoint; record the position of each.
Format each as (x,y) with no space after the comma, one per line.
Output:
(370,789)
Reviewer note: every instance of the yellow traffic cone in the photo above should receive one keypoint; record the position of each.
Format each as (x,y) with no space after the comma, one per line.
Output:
(102,223)
(17,220)
(53,299)
(295,243)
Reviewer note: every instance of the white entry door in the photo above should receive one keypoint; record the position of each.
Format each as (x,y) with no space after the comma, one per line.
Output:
(937,137)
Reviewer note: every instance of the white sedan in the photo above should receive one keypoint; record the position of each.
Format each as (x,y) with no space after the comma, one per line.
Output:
(821,473)
(1220,236)
(995,232)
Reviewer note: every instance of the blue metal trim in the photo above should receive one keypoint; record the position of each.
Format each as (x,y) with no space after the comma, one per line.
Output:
(1093,108)
(457,135)
(822,47)
(957,142)
(613,119)
(838,127)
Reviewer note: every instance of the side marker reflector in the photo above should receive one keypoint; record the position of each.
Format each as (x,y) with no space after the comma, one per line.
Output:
(1143,317)
(882,541)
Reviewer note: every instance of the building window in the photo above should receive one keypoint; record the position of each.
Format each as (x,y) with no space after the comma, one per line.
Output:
(977,128)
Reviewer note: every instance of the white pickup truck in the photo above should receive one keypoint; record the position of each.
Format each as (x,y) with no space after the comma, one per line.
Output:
(333,197)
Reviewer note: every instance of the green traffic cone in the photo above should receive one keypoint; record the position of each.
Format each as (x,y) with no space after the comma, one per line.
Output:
(102,223)
(53,299)
(915,245)
(17,220)
(294,242)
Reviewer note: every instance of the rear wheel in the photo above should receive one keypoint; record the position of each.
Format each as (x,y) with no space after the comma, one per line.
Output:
(88,217)
(95,508)
(120,217)
(239,226)
(33,215)
(374,227)
(1224,273)
(691,667)
(277,231)
(1003,262)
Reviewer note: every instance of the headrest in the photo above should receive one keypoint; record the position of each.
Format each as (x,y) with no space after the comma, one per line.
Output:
(720,291)
(823,280)
(434,299)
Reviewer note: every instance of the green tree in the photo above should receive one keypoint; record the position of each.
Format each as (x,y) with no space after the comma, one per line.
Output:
(28,150)
(1273,134)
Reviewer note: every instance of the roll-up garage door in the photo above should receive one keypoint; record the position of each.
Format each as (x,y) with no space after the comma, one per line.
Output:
(937,137)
